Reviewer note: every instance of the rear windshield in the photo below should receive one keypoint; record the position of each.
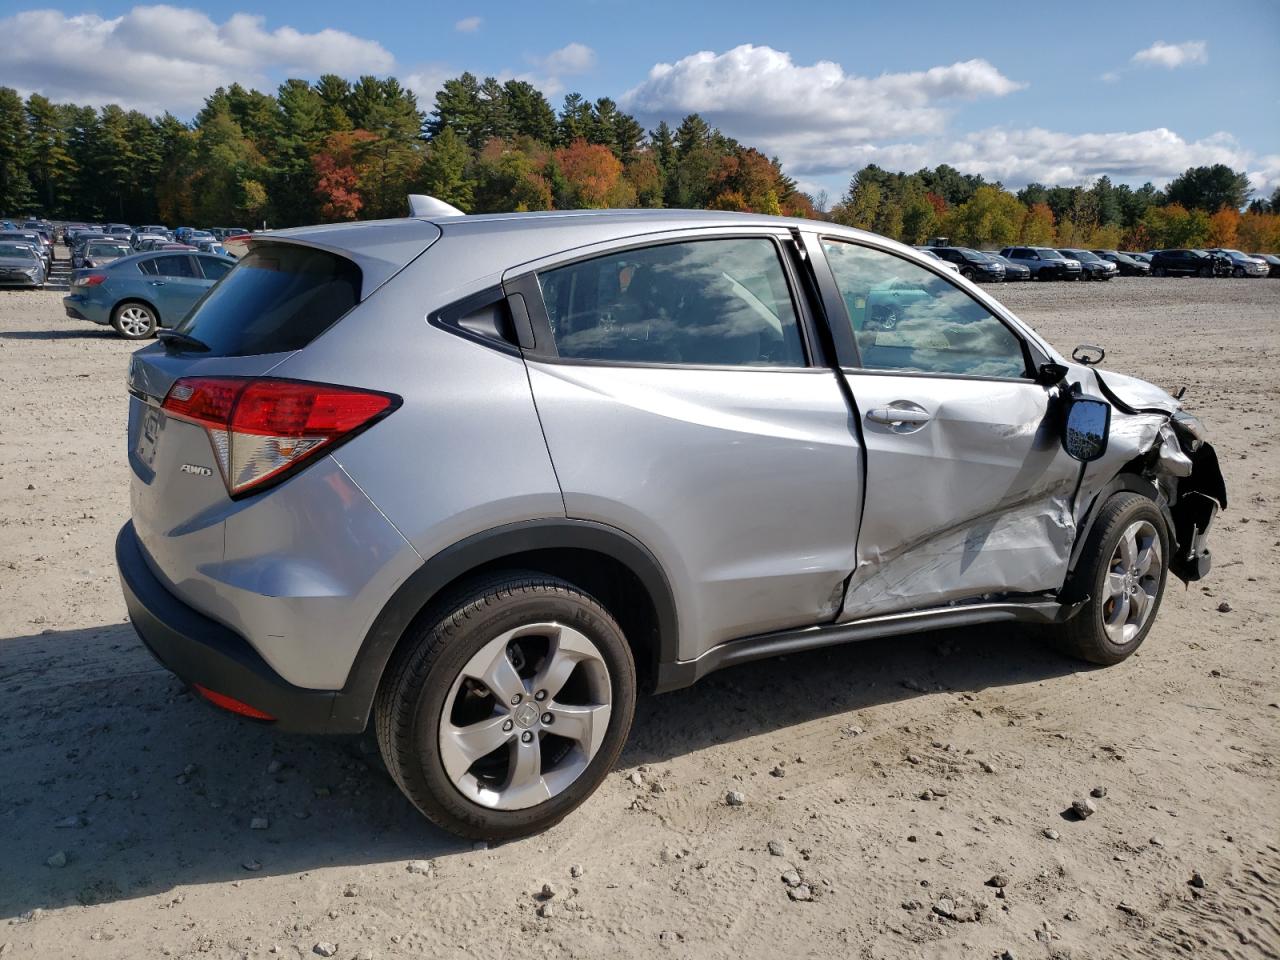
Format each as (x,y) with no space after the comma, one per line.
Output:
(280,297)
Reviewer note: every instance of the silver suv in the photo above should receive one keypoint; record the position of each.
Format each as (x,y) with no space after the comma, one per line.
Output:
(485,478)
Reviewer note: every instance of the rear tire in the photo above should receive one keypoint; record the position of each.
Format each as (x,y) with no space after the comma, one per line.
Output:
(1157,271)
(1120,575)
(460,722)
(134,321)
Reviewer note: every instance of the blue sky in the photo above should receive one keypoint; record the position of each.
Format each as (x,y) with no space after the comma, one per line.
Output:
(1053,92)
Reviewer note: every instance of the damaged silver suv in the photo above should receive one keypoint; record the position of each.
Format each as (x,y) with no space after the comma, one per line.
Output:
(485,478)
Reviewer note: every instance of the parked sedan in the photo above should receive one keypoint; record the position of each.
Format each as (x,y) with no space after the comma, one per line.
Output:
(20,265)
(81,243)
(973,264)
(1243,265)
(141,293)
(1125,264)
(211,246)
(928,252)
(1140,257)
(36,240)
(1012,271)
(1188,263)
(1045,263)
(1272,262)
(98,253)
(1092,266)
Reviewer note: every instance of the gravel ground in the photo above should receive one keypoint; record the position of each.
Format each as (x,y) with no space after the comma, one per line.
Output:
(906,797)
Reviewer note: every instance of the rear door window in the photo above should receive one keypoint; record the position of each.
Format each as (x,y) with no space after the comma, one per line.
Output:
(214,269)
(280,298)
(175,265)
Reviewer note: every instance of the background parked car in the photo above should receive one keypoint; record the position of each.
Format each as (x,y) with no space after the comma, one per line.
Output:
(928,252)
(1012,271)
(211,246)
(1242,265)
(973,264)
(98,253)
(81,242)
(1139,257)
(36,240)
(1045,263)
(21,265)
(1127,265)
(1271,260)
(1092,266)
(140,293)
(1188,263)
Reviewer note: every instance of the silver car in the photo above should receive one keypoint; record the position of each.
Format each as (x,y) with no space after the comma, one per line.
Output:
(21,265)
(484,479)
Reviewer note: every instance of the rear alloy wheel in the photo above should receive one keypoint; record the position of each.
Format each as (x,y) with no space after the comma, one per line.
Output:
(504,713)
(1157,272)
(134,321)
(967,273)
(1238,273)
(1120,576)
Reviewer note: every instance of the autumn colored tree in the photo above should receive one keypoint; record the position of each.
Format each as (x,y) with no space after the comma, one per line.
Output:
(1224,227)
(339,167)
(1037,227)
(1259,232)
(593,175)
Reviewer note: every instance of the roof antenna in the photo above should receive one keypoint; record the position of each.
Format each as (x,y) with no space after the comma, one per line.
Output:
(420,205)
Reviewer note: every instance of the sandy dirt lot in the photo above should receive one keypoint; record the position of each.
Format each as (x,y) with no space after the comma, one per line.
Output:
(917,785)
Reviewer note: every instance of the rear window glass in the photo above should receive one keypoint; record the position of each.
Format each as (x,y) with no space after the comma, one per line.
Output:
(279,297)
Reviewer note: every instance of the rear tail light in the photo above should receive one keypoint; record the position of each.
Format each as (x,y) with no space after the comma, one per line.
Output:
(92,280)
(262,430)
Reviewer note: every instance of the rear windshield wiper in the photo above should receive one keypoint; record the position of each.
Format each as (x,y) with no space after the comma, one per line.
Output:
(178,338)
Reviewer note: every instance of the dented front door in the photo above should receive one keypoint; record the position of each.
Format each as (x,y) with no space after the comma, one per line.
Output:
(967,494)
(968,490)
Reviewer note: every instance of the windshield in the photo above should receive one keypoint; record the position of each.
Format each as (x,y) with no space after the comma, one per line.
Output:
(1083,255)
(1047,254)
(976,255)
(17,250)
(108,250)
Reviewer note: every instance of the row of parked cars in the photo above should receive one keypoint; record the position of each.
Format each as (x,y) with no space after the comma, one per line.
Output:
(1070,263)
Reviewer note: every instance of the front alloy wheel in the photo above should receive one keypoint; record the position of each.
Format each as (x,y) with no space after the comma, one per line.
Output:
(1118,581)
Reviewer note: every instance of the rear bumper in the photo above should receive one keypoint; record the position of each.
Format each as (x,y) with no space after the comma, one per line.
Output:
(80,308)
(202,651)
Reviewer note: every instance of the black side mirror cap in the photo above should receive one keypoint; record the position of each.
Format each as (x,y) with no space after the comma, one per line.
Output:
(1051,373)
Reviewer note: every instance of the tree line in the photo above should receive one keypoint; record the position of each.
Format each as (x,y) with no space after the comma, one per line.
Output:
(1200,208)
(337,150)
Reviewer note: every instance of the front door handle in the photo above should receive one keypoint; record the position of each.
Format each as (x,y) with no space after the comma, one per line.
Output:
(901,416)
(156,283)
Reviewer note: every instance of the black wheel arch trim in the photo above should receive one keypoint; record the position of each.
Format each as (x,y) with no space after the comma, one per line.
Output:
(1123,482)
(352,704)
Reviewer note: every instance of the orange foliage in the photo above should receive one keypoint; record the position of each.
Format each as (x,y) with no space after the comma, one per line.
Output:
(1223,226)
(339,169)
(593,173)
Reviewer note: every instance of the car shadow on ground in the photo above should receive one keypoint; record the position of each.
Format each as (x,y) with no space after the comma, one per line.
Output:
(111,764)
(89,332)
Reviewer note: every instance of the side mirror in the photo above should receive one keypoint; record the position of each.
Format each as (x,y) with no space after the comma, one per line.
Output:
(1085,428)
(1085,353)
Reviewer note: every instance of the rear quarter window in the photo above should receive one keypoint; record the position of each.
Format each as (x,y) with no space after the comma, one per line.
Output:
(279,297)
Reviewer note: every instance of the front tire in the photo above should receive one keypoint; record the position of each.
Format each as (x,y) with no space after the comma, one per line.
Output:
(505,710)
(134,321)
(1120,576)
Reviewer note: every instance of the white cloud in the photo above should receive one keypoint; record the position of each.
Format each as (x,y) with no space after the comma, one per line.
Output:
(468,24)
(1019,156)
(760,92)
(1172,55)
(572,58)
(156,58)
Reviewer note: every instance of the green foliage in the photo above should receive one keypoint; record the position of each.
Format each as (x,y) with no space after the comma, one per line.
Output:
(336,150)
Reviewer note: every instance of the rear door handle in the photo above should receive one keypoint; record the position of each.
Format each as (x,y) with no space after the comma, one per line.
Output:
(902,416)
